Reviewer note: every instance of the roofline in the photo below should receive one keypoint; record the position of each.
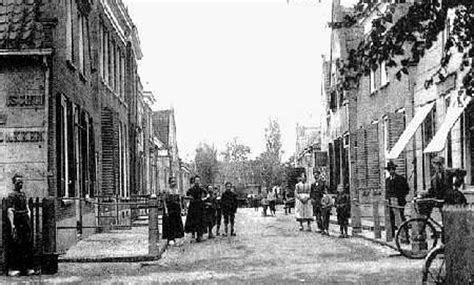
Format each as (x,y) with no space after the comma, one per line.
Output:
(26,52)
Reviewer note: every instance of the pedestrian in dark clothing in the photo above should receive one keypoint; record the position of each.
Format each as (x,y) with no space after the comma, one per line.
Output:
(229,208)
(441,183)
(326,206)
(440,180)
(343,210)
(172,223)
(195,218)
(218,199)
(19,241)
(209,211)
(454,196)
(396,186)
(317,190)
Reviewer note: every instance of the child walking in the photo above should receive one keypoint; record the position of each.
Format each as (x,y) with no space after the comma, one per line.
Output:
(343,209)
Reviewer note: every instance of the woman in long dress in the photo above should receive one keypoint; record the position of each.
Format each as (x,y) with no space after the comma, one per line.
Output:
(195,218)
(303,204)
(172,223)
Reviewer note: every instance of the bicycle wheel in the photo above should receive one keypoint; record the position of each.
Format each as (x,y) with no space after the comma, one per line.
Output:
(415,238)
(434,270)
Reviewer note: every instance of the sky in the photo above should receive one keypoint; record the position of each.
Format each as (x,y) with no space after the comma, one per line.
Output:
(228,66)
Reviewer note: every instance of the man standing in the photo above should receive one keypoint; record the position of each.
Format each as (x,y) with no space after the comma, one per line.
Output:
(20,246)
(439,182)
(396,186)
(229,208)
(317,190)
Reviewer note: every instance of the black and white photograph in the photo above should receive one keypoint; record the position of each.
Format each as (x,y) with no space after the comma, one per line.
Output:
(237,142)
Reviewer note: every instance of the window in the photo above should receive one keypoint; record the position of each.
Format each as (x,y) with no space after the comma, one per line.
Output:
(63,119)
(69,30)
(81,48)
(386,135)
(383,74)
(101,50)
(372,81)
(106,57)
(122,70)
(429,129)
(111,60)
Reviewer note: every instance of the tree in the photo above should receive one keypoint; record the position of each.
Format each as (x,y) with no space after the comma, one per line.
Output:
(236,151)
(206,164)
(273,140)
(235,166)
(270,159)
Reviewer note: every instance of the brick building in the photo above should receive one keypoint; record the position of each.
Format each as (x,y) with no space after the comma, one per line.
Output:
(67,79)
(385,116)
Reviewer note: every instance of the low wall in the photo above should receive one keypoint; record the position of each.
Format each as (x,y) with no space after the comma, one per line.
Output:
(459,229)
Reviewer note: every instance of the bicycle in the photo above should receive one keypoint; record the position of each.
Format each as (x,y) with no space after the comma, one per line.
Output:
(416,237)
(434,269)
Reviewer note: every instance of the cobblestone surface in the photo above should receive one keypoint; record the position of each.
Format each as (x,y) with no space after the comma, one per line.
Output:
(266,250)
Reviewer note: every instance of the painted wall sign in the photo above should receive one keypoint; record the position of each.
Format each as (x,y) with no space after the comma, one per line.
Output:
(21,137)
(17,100)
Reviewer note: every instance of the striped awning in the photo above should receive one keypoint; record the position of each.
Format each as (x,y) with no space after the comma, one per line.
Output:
(438,143)
(410,130)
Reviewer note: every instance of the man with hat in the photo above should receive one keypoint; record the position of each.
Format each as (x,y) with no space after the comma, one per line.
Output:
(396,186)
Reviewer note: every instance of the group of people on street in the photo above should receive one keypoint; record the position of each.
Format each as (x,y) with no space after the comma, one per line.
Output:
(207,207)
(312,201)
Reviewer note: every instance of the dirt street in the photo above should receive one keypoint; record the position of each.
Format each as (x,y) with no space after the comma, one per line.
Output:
(266,250)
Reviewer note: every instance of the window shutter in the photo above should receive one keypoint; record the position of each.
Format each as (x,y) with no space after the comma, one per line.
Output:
(337,161)
(109,159)
(396,128)
(59,149)
(71,151)
(331,167)
(373,166)
(92,165)
(361,163)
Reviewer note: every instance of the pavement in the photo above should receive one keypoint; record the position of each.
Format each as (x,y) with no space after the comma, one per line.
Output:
(266,250)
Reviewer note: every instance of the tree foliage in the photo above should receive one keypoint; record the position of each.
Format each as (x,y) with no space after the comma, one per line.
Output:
(418,30)
(206,164)
(236,151)
(270,159)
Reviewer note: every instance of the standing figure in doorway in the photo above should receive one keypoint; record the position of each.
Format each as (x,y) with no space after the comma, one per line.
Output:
(229,208)
(303,203)
(396,186)
(195,218)
(172,223)
(19,238)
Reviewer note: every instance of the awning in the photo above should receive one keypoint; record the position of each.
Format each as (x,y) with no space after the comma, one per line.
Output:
(452,115)
(410,131)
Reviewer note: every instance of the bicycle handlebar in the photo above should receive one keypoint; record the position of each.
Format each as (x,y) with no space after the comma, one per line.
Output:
(429,200)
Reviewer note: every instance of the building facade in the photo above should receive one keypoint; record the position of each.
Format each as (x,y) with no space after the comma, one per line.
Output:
(398,109)
(74,119)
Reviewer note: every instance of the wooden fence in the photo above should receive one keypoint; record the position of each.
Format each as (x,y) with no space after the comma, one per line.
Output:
(43,225)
